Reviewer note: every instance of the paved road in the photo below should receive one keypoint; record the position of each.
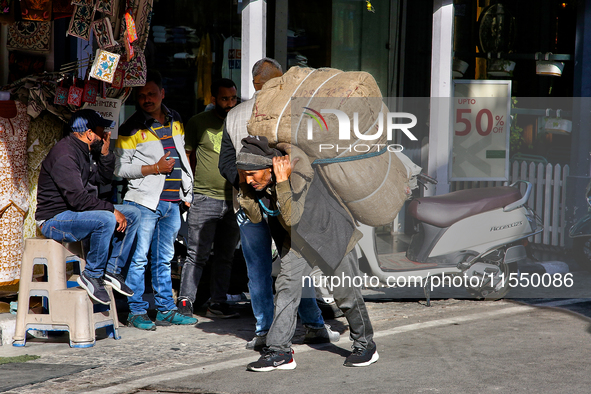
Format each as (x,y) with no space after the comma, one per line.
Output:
(453,346)
(536,341)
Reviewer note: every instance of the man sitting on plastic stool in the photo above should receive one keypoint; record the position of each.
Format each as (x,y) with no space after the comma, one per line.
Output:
(68,207)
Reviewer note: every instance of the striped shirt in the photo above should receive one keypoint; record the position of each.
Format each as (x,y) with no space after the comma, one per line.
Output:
(172,183)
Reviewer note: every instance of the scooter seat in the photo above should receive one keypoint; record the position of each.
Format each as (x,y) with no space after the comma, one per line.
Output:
(447,209)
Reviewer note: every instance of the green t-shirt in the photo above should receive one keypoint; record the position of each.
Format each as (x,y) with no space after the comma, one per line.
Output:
(203,134)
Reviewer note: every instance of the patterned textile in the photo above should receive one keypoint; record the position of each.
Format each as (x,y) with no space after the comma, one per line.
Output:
(130,52)
(104,66)
(4,6)
(75,95)
(14,123)
(61,96)
(21,65)
(30,36)
(90,91)
(88,3)
(118,78)
(103,33)
(105,6)
(81,22)
(62,9)
(135,71)
(36,10)
(142,9)
(130,28)
(44,132)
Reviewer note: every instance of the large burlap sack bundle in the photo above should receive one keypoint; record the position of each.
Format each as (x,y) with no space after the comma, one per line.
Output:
(283,105)
(373,188)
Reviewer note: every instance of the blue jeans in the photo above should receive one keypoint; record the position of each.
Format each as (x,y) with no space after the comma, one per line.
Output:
(256,247)
(99,226)
(210,222)
(156,234)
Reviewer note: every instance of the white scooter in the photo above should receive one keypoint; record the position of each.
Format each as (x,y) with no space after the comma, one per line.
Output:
(477,234)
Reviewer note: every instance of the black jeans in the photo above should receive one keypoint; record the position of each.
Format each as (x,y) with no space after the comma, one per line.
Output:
(211,223)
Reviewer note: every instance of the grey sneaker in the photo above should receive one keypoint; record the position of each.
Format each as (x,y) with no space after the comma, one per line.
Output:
(117,282)
(321,335)
(257,343)
(95,287)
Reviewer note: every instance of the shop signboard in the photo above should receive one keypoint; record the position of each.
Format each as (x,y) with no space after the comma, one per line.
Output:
(109,109)
(480,130)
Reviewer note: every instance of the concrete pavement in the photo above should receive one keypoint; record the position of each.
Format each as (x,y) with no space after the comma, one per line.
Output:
(453,346)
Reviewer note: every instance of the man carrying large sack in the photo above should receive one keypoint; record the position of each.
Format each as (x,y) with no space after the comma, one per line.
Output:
(271,184)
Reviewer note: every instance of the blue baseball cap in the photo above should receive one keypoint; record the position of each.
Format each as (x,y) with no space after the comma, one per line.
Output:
(85,119)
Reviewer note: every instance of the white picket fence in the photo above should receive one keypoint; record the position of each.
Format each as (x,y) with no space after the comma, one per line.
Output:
(547,199)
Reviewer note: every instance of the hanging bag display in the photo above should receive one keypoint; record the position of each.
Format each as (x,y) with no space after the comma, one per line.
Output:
(103,33)
(104,66)
(75,94)
(81,21)
(90,91)
(61,95)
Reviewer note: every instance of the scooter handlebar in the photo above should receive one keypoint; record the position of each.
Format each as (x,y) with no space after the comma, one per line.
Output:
(523,200)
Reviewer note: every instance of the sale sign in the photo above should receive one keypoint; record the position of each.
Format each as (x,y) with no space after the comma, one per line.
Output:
(481,130)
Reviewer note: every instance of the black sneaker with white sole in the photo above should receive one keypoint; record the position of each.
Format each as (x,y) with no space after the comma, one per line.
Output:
(117,281)
(272,360)
(95,288)
(361,357)
(185,307)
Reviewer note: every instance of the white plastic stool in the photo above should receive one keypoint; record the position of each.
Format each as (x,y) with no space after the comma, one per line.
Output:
(69,309)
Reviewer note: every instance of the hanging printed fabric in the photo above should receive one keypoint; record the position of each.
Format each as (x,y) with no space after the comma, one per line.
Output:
(130,27)
(90,91)
(103,33)
(81,22)
(5,7)
(135,71)
(142,14)
(62,9)
(61,96)
(75,95)
(29,36)
(88,3)
(36,10)
(129,49)
(105,6)
(118,78)
(104,66)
